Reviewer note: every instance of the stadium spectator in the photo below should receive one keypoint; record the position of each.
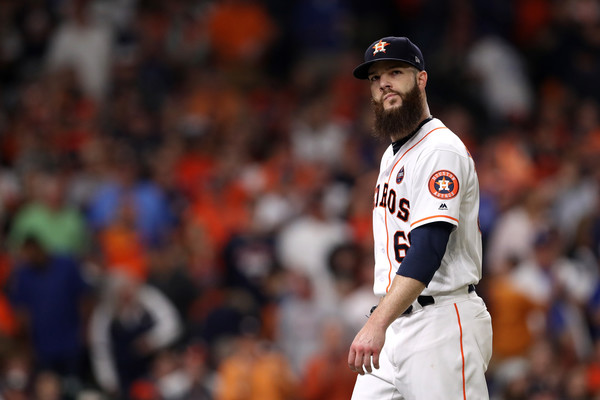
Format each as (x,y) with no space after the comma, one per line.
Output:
(83,45)
(299,317)
(53,301)
(126,187)
(255,370)
(129,325)
(59,226)
(317,230)
(323,377)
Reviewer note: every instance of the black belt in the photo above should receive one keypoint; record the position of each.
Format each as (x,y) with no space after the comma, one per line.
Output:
(429,300)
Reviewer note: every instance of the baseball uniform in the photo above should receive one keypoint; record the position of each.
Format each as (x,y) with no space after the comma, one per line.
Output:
(441,346)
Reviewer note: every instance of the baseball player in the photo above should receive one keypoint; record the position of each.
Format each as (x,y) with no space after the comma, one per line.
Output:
(430,336)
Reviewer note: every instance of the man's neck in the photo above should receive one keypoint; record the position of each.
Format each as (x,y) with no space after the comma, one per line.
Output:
(397,144)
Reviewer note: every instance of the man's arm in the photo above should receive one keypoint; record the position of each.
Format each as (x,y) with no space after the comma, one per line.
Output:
(423,258)
(370,339)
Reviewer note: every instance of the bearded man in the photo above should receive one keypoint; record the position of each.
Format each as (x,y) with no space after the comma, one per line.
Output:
(430,336)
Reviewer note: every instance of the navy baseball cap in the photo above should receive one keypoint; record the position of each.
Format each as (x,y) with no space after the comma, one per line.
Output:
(390,48)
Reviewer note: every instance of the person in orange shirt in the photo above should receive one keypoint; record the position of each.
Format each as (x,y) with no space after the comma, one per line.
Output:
(325,377)
(239,31)
(122,246)
(255,371)
(511,310)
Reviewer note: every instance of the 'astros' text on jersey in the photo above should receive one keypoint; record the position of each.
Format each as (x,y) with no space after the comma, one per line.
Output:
(430,178)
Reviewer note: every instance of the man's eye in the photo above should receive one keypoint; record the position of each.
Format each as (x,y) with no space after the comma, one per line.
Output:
(374,78)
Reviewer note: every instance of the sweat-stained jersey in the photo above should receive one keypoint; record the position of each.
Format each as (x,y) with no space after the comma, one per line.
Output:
(430,178)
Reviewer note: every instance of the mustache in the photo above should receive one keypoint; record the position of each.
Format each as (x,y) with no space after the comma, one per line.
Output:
(391,91)
(385,93)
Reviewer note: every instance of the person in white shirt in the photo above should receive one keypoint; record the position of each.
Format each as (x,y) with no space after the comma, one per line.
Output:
(430,337)
(129,325)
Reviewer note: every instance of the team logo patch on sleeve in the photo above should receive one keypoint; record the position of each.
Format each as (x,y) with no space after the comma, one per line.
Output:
(443,184)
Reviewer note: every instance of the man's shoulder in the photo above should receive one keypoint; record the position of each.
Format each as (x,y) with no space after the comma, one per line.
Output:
(437,130)
(439,137)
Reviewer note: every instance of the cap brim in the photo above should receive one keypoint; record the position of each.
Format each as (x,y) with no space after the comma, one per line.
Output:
(362,71)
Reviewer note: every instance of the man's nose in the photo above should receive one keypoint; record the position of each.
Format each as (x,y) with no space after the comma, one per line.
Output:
(384,83)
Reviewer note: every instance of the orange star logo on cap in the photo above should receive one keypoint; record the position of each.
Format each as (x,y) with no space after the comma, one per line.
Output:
(380,47)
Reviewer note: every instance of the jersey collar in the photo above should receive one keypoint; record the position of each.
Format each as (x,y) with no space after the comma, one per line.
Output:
(399,143)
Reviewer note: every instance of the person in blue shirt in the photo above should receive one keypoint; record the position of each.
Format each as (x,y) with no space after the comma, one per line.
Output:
(50,295)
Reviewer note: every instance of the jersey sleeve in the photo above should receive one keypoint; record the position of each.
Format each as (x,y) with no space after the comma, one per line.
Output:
(437,187)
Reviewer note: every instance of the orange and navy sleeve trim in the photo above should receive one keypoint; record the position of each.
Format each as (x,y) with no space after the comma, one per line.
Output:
(434,217)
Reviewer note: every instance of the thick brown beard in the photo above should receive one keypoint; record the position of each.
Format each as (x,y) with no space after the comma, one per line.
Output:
(399,122)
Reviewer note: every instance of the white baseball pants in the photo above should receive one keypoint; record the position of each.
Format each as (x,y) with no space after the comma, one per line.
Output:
(437,352)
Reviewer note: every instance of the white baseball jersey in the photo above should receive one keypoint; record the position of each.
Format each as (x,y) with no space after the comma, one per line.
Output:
(430,178)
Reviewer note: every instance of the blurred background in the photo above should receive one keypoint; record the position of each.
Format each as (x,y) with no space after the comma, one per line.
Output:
(186,191)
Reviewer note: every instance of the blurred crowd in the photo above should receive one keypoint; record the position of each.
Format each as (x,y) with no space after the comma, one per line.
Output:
(186,191)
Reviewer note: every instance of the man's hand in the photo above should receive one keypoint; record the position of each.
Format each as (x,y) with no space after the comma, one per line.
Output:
(367,343)
(370,339)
